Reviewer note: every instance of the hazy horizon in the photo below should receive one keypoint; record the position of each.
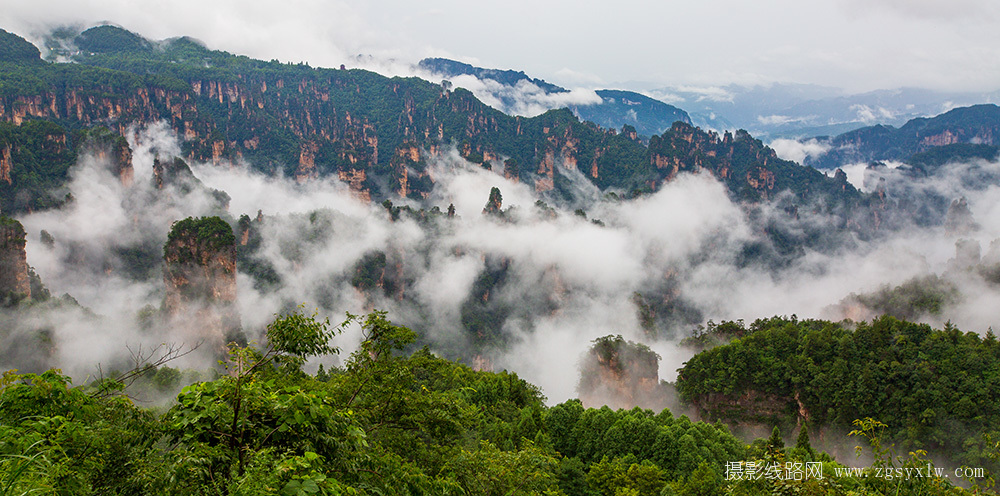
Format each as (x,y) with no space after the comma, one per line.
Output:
(849,44)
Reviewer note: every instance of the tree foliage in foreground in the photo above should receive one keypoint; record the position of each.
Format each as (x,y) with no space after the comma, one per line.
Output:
(386,423)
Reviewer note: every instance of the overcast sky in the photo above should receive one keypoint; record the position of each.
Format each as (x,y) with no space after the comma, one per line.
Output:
(856,44)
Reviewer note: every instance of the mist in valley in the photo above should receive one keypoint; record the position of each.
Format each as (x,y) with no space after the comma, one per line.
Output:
(527,289)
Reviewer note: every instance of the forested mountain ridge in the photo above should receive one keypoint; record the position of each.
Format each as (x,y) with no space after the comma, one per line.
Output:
(978,124)
(619,107)
(375,133)
(931,387)
(451,68)
(749,169)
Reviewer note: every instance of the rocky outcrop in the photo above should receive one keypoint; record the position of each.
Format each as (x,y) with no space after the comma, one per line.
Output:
(356,178)
(494,203)
(5,164)
(174,177)
(945,138)
(560,148)
(621,374)
(199,274)
(307,162)
(97,105)
(34,158)
(14,279)
(750,408)
(959,220)
(752,171)
(107,146)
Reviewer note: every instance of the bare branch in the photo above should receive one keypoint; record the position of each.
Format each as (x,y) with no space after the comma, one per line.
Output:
(142,362)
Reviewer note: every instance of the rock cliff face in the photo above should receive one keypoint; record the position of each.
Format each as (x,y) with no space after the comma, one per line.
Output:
(96,105)
(34,158)
(106,145)
(375,133)
(200,277)
(750,408)
(5,164)
(752,171)
(14,280)
(621,374)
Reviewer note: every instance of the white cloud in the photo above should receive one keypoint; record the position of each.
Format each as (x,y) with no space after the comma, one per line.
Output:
(710,93)
(524,98)
(799,150)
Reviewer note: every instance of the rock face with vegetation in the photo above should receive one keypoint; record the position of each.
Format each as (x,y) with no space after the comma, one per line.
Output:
(976,125)
(199,273)
(14,280)
(109,146)
(375,133)
(751,171)
(621,373)
(787,372)
(35,157)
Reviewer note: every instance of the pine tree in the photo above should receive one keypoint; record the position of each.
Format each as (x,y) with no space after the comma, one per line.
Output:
(775,443)
(803,440)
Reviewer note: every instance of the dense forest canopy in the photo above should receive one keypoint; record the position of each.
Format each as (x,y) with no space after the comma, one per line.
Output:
(390,422)
(932,388)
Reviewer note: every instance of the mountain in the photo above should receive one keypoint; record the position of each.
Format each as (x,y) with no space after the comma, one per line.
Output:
(800,110)
(615,109)
(452,68)
(13,48)
(978,124)
(810,372)
(378,134)
(620,108)
(766,111)
(14,279)
(199,274)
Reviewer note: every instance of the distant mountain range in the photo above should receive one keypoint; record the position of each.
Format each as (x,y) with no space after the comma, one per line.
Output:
(975,125)
(614,109)
(452,68)
(798,111)
(766,111)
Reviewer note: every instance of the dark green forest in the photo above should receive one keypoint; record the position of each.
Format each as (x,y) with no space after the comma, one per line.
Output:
(935,390)
(398,420)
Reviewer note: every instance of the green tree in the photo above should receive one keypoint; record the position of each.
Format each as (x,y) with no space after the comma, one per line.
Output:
(233,428)
(775,443)
(490,471)
(704,481)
